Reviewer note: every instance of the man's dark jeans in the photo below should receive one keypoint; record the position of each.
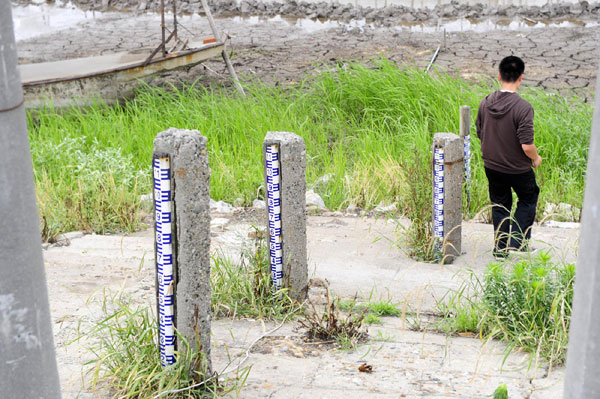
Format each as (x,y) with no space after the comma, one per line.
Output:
(527,191)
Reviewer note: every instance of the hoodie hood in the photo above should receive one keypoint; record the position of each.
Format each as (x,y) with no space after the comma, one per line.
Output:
(499,103)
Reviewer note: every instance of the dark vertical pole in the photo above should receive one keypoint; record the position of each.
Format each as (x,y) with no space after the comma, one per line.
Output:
(175,20)
(162,27)
(27,359)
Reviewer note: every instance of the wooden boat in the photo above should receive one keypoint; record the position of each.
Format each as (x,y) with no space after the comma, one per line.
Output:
(110,77)
(113,76)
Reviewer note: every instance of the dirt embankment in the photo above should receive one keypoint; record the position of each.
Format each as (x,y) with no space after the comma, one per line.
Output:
(388,16)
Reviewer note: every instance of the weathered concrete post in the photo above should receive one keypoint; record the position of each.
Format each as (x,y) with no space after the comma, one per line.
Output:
(182,198)
(285,180)
(27,359)
(583,355)
(448,173)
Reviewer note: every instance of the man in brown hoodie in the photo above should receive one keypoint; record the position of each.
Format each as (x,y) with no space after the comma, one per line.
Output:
(505,127)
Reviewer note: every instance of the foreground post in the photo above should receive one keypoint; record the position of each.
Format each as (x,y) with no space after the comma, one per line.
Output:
(27,359)
(285,180)
(448,172)
(465,133)
(583,355)
(181,194)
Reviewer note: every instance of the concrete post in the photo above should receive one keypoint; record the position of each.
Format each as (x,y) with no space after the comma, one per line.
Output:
(448,150)
(189,174)
(27,359)
(290,248)
(583,355)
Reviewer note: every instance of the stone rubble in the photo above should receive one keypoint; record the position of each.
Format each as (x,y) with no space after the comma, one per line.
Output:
(314,201)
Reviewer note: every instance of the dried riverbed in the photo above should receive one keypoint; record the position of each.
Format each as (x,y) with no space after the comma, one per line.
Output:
(560,54)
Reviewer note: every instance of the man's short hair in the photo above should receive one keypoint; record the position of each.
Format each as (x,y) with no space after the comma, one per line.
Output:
(511,68)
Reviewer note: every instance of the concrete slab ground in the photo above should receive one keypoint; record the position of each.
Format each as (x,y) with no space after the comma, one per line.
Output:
(354,255)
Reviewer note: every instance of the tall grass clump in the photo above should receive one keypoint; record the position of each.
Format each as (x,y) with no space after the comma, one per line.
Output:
(245,289)
(359,123)
(526,303)
(127,359)
(417,238)
(83,185)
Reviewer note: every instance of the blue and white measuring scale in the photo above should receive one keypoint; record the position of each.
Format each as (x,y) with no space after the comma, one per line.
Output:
(163,205)
(274,207)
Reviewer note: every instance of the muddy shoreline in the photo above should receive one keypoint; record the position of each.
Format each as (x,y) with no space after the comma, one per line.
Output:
(284,51)
(387,15)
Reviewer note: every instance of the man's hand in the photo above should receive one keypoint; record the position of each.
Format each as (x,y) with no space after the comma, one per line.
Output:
(531,152)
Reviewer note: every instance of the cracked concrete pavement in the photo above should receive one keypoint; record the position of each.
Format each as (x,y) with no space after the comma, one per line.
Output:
(407,362)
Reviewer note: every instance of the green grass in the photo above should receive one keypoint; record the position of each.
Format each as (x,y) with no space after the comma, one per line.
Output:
(416,239)
(127,362)
(501,392)
(524,302)
(371,318)
(245,289)
(361,124)
(384,307)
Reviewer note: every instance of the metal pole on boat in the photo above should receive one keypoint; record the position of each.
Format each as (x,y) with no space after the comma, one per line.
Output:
(215,31)
(163,27)
(175,21)
(27,359)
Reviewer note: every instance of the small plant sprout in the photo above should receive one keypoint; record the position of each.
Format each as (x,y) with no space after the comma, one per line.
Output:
(501,392)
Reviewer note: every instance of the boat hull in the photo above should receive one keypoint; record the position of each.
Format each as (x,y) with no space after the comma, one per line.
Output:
(110,77)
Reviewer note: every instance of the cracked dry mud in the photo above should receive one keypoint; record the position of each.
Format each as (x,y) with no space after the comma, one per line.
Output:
(282,51)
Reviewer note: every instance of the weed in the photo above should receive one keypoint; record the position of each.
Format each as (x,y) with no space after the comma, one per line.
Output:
(245,289)
(461,308)
(417,237)
(526,303)
(373,310)
(384,308)
(348,305)
(331,325)
(501,392)
(127,359)
(371,318)
(86,187)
